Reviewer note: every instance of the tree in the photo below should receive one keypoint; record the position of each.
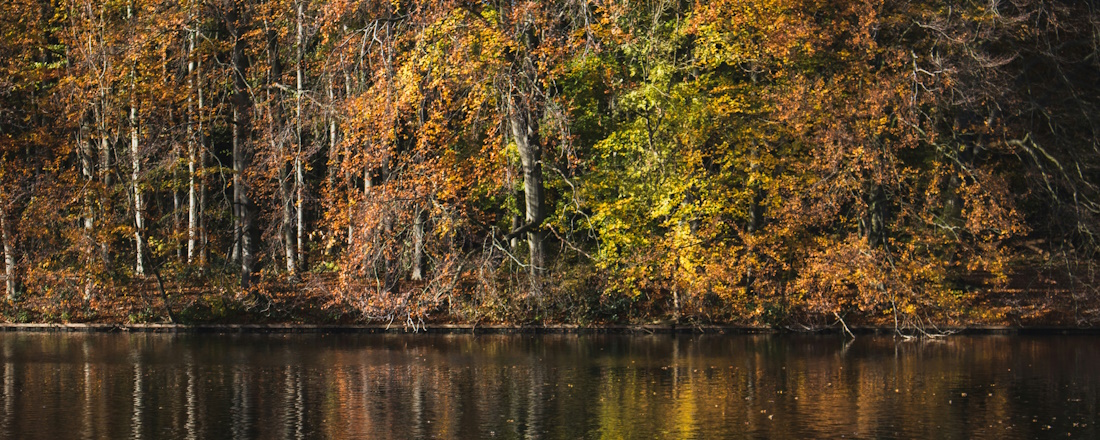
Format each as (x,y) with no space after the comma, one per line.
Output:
(237,19)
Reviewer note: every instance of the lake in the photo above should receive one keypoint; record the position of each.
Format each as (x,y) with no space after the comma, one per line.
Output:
(388,386)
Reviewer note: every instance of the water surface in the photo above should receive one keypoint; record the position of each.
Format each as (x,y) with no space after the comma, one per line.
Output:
(184,386)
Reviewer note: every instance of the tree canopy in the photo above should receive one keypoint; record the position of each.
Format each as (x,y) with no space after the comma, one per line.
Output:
(773,162)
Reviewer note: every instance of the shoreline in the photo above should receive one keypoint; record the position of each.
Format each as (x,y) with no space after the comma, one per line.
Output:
(520,329)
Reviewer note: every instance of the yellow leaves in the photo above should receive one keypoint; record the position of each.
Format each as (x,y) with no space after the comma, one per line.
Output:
(490,15)
(754,33)
(988,210)
(727,102)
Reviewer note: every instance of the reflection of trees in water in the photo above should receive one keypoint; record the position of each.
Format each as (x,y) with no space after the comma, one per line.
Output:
(162,386)
(9,397)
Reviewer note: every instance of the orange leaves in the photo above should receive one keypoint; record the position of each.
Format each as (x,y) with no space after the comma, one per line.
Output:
(752,156)
(988,207)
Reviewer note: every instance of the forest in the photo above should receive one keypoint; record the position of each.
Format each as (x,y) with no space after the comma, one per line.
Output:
(793,163)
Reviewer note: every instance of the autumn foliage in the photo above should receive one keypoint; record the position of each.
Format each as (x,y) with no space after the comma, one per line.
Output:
(778,162)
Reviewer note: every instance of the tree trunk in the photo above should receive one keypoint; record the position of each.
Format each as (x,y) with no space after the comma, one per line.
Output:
(9,256)
(201,224)
(349,186)
(239,104)
(517,222)
(278,144)
(135,184)
(299,183)
(241,200)
(201,175)
(418,247)
(104,139)
(192,195)
(367,185)
(99,109)
(87,172)
(299,172)
(872,225)
(349,177)
(244,223)
(235,251)
(285,196)
(333,159)
(177,198)
(135,174)
(288,215)
(177,156)
(525,132)
(104,168)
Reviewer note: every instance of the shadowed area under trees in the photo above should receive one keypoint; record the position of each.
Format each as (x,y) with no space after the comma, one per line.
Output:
(793,163)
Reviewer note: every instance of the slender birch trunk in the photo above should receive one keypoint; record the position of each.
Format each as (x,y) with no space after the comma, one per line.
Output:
(192,196)
(349,177)
(135,175)
(200,172)
(299,172)
(418,247)
(299,183)
(104,165)
(285,194)
(333,159)
(177,198)
(9,256)
(87,172)
(135,184)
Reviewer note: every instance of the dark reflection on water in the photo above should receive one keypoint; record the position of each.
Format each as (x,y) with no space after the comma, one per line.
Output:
(155,386)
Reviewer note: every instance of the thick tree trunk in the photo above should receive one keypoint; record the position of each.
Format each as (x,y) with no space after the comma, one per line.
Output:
(525,133)
(278,144)
(241,200)
(244,223)
(872,225)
